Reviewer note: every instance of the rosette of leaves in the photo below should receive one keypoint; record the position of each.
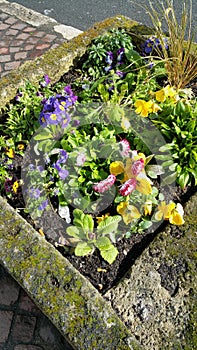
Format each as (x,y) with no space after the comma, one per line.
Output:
(86,238)
(110,42)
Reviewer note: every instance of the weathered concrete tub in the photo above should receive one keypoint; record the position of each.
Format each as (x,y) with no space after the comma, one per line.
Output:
(86,319)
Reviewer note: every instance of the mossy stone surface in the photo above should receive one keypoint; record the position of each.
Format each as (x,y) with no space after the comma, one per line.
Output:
(157,299)
(73,305)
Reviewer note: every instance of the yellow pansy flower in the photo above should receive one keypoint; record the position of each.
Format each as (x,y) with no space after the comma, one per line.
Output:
(128,212)
(10,153)
(21,146)
(164,210)
(143,185)
(101,218)
(160,95)
(15,186)
(116,167)
(172,212)
(155,107)
(166,92)
(176,217)
(147,208)
(143,107)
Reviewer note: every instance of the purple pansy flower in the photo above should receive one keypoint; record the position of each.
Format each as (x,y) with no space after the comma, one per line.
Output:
(43,205)
(120,54)
(46,81)
(109,58)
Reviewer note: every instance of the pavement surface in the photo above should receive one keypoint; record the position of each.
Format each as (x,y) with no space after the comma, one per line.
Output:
(83,14)
(25,35)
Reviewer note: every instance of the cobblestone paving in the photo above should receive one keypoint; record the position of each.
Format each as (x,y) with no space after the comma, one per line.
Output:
(22,325)
(20,41)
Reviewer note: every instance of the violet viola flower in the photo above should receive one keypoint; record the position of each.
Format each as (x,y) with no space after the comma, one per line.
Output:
(8,185)
(128,187)
(63,156)
(34,193)
(105,185)
(109,58)
(43,205)
(40,168)
(63,174)
(120,54)
(120,74)
(153,43)
(46,81)
(55,109)
(18,96)
(70,93)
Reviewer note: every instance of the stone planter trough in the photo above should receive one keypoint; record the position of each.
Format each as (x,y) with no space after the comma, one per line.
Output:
(153,307)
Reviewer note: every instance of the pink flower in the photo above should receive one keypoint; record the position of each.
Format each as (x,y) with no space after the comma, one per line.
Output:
(104,185)
(80,159)
(128,187)
(137,166)
(125,148)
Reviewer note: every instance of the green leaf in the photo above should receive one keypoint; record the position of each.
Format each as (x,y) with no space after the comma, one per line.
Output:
(83,249)
(170,178)
(166,147)
(183,179)
(152,174)
(107,250)
(78,217)
(132,55)
(105,151)
(173,167)
(167,163)
(88,223)
(43,135)
(145,224)
(104,93)
(76,232)
(163,156)
(156,169)
(109,225)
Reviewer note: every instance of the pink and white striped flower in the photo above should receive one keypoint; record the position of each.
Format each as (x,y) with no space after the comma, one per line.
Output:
(124,147)
(105,185)
(137,166)
(128,187)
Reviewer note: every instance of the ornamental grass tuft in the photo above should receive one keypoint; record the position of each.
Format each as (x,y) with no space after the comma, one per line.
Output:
(178,52)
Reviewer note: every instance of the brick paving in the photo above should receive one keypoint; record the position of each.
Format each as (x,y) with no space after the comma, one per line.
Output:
(21,41)
(22,325)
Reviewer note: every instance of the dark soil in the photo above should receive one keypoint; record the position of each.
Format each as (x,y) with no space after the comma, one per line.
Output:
(101,274)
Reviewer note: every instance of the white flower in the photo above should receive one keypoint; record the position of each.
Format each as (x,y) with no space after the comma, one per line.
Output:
(64,212)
